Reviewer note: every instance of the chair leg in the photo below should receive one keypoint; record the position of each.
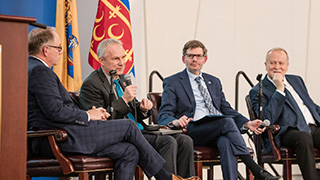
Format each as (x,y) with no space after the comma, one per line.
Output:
(100,176)
(198,169)
(210,172)
(138,175)
(287,171)
(83,176)
(110,176)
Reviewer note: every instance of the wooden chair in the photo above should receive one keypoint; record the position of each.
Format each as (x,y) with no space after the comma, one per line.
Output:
(66,165)
(203,156)
(279,155)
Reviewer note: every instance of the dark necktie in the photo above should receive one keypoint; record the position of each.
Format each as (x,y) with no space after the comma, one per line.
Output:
(207,98)
(301,122)
(120,94)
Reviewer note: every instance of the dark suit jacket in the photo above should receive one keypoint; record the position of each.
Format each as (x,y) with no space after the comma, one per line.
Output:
(178,98)
(95,91)
(50,106)
(278,109)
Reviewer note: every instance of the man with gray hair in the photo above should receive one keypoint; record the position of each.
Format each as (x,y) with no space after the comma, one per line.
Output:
(286,102)
(50,106)
(176,149)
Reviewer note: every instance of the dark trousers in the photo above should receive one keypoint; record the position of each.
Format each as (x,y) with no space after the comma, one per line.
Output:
(224,134)
(303,144)
(177,150)
(124,143)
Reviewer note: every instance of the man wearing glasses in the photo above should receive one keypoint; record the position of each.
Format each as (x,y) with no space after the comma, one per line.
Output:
(89,132)
(190,95)
(176,149)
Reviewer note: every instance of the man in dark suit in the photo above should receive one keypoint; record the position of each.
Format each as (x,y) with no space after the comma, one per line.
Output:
(190,95)
(286,102)
(177,149)
(89,132)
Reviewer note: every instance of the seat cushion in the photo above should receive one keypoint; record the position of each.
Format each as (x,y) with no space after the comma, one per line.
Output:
(205,153)
(50,167)
(87,163)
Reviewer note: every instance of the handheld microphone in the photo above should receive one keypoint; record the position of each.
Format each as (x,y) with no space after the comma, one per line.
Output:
(112,72)
(127,80)
(265,123)
(259,77)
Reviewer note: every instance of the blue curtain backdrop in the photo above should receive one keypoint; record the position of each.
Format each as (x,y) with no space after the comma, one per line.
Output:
(43,10)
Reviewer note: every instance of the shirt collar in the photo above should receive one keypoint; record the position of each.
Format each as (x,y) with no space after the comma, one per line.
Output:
(40,60)
(193,76)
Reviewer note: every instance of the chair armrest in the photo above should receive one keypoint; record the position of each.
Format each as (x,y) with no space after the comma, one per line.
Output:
(60,135)
(273,130)
(53,136)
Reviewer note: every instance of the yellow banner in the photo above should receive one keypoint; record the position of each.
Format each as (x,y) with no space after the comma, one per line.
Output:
(69,67)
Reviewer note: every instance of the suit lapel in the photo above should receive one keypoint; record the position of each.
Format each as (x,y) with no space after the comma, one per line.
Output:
(268,85)
(185,83)
(271,88)
(303,95)
(298,88)
(104,80)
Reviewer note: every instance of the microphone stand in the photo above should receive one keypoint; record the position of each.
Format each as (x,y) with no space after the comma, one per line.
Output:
(111,94)
(258,137)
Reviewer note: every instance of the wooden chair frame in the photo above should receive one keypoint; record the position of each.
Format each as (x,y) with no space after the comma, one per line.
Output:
(203,156)
(65,165)
(279,155)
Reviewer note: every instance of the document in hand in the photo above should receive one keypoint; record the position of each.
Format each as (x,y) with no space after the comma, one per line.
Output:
(162,131)
(210,118)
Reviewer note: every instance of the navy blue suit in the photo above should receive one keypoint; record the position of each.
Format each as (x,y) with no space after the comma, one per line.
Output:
(283,111)
(178,100)
(51,107)
(277,107)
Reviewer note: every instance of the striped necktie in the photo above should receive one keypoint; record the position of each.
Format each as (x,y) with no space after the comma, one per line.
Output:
(120,94)
(207,99)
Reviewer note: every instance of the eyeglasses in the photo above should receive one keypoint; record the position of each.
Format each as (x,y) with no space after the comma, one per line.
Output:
(191,56)
(59,48)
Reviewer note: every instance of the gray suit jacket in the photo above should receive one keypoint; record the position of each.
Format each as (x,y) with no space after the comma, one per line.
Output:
(95,91)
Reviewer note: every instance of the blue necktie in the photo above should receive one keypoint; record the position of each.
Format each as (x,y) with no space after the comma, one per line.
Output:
(120,94)
(301,122)
(207,98)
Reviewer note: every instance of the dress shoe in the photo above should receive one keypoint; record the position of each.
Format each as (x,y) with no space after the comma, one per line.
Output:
(176,177)
(265,175)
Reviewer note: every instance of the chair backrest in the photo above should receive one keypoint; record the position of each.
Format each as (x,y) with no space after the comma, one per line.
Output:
(155,98)
(258,139)
(252,113)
